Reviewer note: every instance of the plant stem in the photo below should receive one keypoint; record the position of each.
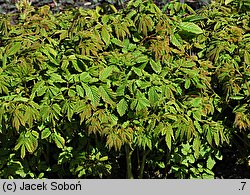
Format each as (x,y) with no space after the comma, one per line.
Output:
(144,155)
(129,153)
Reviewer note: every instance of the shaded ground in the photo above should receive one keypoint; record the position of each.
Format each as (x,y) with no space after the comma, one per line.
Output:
(233,166)
(8,6)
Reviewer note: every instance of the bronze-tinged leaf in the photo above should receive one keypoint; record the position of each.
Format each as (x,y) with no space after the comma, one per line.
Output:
(247,57)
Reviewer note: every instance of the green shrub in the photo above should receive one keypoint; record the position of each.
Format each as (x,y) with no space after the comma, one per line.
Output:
(82,90)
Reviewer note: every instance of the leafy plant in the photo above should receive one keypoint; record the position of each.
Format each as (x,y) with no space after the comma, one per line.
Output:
(84,90)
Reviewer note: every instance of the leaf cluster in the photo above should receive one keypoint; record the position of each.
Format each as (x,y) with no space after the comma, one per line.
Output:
(79,87)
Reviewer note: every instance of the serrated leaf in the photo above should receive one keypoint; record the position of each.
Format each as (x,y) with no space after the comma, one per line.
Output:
(187,83)
(137,71)
(45,133)
(75,65)
(117,42)
(121,89)
(196,147)
(23,152)
(92,94)
(237,97)
(216,138)
(57,109)
(193,18)
(41,90)
(14,49)
(228,1)
(142,104)
(37,87)
(85,77)
(153,95)
(105,73)
(175,41)
(56,78)
(80,91)
(71,93)
(190,27)
(59,140)
(104,158)
(156,66)
(107,95)
(169,135)
(210,163)
(122,107)
(105,35)
(247,57)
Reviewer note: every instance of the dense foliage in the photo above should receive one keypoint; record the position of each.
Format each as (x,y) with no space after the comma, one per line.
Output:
(102,93)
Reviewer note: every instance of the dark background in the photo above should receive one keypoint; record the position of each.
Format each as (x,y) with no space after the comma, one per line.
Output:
(8,6)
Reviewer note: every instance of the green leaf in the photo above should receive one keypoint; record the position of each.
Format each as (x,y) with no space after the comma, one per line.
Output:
(107,95)
(45,133)
(196,147)
(228,1)
(37,87)
(190,158)
(57,109)
(56,78)
(117,42)
(41,90)
(237,97)
(85,77)
(105,73)
(23,152)
(122,107)
(27,141)
(169,135)
(209,136)
(193,18)
(59,140)
(210,163)
(153,95)
(80,91)
(104,158)
(175,41)
(71,93)
(141,59)
(35,134)
(156,66)
(75,65)
(14,49)
(216,138)
(65,64)
(247,57)
(92,94)
(190,27)
(137,71)
(105,35)
(187,83)
(142,103)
